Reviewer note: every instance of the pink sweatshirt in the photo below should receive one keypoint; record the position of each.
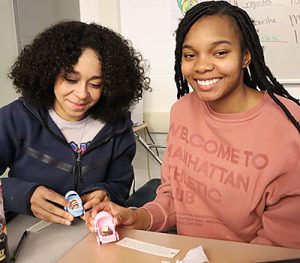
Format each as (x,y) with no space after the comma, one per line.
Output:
(231,176)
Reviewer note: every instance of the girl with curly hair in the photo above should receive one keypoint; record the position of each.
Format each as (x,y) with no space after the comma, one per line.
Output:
(71,128)
(231,168)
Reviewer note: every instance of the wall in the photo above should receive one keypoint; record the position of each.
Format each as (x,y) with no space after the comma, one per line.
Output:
(105,12)
(28,12)
(8,50)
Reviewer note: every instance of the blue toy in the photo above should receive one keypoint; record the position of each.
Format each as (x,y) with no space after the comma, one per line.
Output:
(75,208)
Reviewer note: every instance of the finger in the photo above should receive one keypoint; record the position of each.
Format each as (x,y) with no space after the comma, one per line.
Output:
(103,206)
(46,215)
(43,205)
(118,219)
(88,205)
(51,209)
(91,203)
(56,198)
(93,198)
(85,198)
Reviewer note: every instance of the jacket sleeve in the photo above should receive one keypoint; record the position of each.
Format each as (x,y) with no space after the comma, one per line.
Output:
(281,215)
(16,192)
(119,176)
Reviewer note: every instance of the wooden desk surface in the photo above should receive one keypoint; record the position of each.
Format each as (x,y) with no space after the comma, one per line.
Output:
(216,250)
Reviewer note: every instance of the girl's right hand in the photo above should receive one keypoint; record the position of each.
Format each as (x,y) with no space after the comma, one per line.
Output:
(43,206)
(125,217)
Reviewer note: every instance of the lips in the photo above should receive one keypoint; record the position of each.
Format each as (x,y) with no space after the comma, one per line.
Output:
(78,106)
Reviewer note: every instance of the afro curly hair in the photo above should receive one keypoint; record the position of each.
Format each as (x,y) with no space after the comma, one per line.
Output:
(56,50)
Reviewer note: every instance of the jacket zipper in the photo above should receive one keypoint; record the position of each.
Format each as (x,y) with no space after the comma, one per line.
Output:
(78,177)
(78,171)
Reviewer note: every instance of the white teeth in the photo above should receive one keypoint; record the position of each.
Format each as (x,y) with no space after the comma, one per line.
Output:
(207,82)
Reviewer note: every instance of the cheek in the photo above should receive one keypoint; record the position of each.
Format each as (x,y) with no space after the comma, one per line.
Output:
(185,69)
(230,68)
(96,95)
(57,87)
(62,89)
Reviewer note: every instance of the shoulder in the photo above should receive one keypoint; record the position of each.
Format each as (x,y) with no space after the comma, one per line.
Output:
(14,107)
(279,127)
(274,111)
(293,108)
(21,111)
(190,100)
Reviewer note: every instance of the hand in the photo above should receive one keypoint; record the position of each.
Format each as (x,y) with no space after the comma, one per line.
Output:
(93,198)
(43,208)
(128,218)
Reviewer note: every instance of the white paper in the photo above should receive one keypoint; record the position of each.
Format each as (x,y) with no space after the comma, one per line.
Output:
(148,247)
(195,255)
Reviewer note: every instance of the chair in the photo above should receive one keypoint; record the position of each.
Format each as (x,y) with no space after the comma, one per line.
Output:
(144,194)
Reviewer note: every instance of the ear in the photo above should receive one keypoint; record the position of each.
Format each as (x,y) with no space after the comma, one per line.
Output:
(246,59)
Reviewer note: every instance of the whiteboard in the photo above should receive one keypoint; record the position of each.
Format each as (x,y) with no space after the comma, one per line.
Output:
(150,25)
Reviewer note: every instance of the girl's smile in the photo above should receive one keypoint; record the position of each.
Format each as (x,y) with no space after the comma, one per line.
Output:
(207,84)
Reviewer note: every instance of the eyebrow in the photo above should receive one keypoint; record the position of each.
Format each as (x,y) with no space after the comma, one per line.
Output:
(216,43)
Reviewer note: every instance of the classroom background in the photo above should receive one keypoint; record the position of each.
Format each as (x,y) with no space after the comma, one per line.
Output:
(150,25)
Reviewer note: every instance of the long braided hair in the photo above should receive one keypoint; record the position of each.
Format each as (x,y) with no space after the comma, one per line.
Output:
(260,76)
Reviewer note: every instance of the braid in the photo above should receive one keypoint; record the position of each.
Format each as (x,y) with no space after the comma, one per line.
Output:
(259,75)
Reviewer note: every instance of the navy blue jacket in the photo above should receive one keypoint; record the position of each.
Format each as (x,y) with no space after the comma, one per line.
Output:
(36,152)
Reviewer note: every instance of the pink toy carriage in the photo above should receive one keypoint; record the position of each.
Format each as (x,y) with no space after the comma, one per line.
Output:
(104,226)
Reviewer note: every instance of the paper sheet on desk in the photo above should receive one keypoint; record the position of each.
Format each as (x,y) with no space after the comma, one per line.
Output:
(148,247)
(195,255)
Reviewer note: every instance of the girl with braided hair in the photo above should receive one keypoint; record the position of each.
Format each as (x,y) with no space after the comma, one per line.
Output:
(231,168)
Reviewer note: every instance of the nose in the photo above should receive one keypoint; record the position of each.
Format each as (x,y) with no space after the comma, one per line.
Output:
(81,91)
(204,64)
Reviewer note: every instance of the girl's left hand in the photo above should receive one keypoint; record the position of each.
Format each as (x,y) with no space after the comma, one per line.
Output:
(93,198)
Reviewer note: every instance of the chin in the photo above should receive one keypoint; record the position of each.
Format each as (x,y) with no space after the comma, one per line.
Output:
(207,97)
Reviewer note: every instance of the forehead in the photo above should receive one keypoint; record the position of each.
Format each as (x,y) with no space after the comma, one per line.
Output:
(212,28)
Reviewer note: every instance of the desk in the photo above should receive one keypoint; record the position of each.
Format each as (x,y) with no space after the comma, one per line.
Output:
(216,250)
(74,244)
(47,245)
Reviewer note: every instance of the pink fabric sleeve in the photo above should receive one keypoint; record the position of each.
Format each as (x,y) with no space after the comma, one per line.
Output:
(162,209)
(281,219)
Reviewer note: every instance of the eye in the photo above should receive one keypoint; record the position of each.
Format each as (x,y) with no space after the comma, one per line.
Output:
(95,85)
(71,80)
(188,56)
(221,53)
